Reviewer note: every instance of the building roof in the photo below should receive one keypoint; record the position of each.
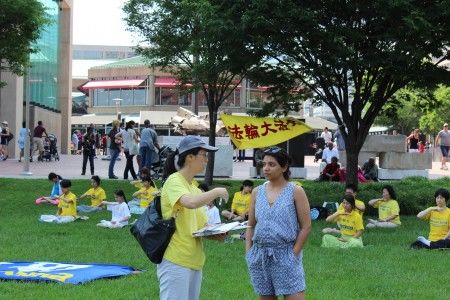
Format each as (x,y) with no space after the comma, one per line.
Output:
(136,61)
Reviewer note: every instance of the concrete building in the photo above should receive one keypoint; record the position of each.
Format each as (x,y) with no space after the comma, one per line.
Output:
(48,83)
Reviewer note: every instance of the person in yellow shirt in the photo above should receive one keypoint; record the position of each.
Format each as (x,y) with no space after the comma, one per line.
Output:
(351,226)
(180,272)
(143,197)
(360,207)
(67,211)
(439,217)
(388,210)
(143,173)
(96,194)
(241,203)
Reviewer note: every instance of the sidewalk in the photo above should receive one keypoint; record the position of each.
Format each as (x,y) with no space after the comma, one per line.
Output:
(70,167)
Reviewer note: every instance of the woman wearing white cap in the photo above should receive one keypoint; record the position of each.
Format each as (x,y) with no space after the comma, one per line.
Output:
(444,137)
(5,133)
(180,272)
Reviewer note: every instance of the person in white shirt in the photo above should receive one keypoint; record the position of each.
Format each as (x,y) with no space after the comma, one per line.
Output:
(326,135)
(211,210)
(120,212)
(329,152)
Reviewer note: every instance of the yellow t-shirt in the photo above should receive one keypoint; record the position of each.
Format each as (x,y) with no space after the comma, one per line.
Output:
(146,198)
(439,224)
(357,202)
(183,249)
(387,209)
(139,185)
(68,204)
(241,203)
(97,196)
(350,224)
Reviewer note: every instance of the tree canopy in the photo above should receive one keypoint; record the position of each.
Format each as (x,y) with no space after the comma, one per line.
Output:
(201,42)
(21,22)
(354,55)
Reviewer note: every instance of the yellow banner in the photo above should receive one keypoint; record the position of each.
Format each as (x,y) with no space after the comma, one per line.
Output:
(251,132)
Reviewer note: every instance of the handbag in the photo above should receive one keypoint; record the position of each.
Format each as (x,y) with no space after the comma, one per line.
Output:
(134,149)
(152,232)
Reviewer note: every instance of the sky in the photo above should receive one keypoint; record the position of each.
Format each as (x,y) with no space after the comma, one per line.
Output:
(100,22)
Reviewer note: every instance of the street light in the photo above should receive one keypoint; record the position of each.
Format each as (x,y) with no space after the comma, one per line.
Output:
(117,100)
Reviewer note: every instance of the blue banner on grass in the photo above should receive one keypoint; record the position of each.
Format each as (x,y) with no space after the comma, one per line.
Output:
(60,272)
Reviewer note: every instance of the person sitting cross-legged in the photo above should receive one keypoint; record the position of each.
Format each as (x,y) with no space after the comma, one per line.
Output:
(119,210)
(331,171)
(350,224)
(97,195)
(241,203)
(388,210)
(67,211)
(439,218)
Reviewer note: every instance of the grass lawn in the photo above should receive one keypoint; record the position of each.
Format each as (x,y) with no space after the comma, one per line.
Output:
(384,269)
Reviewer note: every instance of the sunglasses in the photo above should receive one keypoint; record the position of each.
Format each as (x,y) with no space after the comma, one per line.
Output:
(273,150)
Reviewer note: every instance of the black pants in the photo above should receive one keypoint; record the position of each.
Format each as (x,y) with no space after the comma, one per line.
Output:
(441,244)
(129,166)
(91,162)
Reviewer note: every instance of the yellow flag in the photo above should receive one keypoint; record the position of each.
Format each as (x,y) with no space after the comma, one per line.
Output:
(250,132)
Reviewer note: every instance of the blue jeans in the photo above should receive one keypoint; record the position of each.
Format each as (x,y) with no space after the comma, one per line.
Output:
(146,157)
(114,154)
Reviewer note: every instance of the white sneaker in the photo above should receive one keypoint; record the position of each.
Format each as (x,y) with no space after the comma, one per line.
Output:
(423,240)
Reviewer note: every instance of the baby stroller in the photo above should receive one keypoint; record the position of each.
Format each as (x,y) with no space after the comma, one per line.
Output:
(157,169)
(50,148)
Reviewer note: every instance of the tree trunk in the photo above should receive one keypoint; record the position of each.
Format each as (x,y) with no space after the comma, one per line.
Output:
(209,174)
(352,165)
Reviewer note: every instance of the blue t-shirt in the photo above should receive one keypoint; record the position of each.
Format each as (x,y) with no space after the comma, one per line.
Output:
(148,138)
(56,190)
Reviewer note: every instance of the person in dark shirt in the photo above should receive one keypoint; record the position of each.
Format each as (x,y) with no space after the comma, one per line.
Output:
(38,142)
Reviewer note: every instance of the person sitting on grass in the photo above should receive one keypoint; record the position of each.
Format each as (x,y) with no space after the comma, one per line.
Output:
(439,217)
(67,211)
(331,171)
(56,190)
(211,210)
(97,195)
(241,203)
(388,210)
(143,173)
(119,210)
(351,226)
(143,197)
(350,189)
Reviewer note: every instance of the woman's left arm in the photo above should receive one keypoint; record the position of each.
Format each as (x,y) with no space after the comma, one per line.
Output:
(303,217)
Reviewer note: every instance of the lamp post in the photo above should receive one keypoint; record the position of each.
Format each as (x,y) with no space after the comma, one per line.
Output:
(27,155)
(117,100)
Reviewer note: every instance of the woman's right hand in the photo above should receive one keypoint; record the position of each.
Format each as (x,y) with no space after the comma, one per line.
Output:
(221,193)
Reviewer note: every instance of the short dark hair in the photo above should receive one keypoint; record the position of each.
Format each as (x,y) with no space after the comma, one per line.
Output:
(148,179)
(120,193)
(442,192)
(391,191)
(247,183)
(52,176)
(282,157)
(146,122)
(96,179)
(39,122)
(66,183)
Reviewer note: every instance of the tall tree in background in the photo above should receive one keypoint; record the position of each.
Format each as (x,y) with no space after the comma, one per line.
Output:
(21,22)
(201,42)
(354,55)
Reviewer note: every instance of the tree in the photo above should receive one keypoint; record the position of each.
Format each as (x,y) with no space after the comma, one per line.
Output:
(201,42)
(432,121)
(354,55)
(21,22)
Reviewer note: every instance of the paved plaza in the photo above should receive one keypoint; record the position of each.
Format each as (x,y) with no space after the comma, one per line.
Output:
(69,166)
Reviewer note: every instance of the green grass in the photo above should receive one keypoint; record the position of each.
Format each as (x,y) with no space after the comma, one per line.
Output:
(384,269)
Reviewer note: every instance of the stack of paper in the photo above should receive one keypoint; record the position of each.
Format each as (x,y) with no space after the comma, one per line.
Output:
(219,229)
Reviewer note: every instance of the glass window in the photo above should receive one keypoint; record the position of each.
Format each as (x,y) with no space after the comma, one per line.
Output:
(254,98)
(101,97)
(127,97)
(113,94)
(185,99)
(169,96)
(140,97)
(111,54)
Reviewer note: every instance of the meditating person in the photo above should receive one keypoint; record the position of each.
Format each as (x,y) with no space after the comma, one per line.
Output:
(56,190)
(119,210)
(351,226)
(370,169)
(439,218)
(279,224)
(350,189)
(143,197)
(241,203)
(96,193)
(331,171)
(67,206)
(388,210)
(211,209)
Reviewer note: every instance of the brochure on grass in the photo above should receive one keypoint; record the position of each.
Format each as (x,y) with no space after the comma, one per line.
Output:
(220,228)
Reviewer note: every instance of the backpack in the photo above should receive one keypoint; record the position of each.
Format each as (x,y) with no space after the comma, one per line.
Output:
(319,213)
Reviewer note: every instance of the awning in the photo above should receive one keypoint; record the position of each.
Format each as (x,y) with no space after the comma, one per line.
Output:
(112,84)
(166,82)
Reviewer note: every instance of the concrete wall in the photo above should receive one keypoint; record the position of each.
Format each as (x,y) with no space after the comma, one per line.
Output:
(385,143)
(406,161)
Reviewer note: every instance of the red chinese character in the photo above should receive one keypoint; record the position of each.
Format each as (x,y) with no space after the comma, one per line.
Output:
(291,122)
(267,128)
(251,131)
(236,132)
(281,125)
